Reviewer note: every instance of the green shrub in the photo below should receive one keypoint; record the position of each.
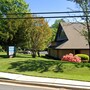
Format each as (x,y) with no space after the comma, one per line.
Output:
(57,68)
(83,56)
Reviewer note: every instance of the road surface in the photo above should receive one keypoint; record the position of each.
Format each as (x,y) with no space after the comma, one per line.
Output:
(12,86)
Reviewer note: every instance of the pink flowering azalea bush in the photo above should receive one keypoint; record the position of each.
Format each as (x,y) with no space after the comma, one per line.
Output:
(71,58)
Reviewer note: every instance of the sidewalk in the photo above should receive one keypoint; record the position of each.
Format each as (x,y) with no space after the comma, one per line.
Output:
(45,81)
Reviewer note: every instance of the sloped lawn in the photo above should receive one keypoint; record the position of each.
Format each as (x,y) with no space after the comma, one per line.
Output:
(43,67)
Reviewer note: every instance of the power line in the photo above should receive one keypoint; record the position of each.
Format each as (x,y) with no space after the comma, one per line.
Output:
(46,12)
(59,12)
(34,17)
(47,17)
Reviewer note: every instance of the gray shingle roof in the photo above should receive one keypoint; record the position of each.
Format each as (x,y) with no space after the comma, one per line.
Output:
(75,39)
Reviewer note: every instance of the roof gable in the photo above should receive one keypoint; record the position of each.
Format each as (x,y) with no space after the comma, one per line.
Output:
(68,36)
(60,35)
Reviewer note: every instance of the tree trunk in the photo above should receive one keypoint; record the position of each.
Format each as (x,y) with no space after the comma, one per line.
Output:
(38,53)
(33,53)
(88,28)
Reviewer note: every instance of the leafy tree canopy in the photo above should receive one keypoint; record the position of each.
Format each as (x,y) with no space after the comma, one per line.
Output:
(38,34)
(9,28)
(56,23)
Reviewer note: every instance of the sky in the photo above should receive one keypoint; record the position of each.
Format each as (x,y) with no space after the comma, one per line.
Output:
(50,6)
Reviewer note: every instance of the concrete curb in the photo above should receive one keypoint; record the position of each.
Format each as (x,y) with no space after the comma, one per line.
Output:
(54,85)
(46,82)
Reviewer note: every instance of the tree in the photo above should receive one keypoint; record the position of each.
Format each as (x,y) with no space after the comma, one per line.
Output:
(10,28)
(38,36)
(54,27)
(85,7)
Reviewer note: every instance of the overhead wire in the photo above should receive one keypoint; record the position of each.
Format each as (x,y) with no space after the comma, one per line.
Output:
(52,13)
(47,12)
(46,17)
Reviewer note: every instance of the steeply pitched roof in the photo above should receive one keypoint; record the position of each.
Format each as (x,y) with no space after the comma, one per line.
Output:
(60,35)
(74,38)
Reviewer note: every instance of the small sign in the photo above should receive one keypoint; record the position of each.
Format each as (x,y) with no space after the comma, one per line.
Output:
(11,51)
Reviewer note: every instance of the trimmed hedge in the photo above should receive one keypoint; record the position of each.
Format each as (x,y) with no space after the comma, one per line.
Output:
(83,56)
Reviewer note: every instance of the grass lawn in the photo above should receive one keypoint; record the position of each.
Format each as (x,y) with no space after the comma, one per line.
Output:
(44,67)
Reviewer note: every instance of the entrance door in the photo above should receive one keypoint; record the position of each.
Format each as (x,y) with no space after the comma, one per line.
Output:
(77,51)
